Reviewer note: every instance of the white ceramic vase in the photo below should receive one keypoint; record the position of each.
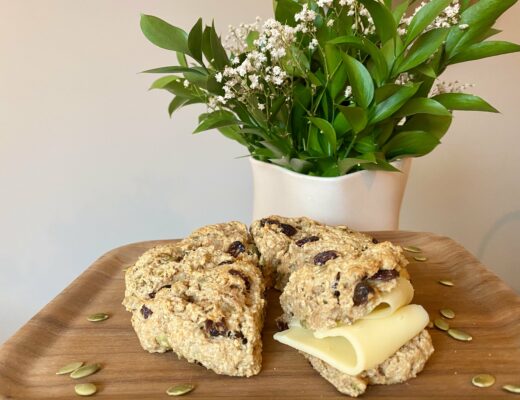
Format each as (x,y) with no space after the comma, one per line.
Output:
(365,200)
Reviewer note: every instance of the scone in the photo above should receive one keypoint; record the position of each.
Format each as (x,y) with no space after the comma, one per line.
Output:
(334,288)
(201,297)
(285,244)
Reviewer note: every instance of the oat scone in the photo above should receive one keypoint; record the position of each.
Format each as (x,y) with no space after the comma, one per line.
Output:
(202,298)
(337,289)
(405,364)
(285,244)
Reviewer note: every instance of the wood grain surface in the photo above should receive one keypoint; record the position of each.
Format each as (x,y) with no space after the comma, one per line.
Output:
(60,333)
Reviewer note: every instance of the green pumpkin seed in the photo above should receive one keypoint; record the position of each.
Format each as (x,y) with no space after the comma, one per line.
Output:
(460,335)
(163,341)
(446,283)
(441,324)
(67,369)
(97,317)
(85,389)
(512,388)
(84,371)
(447,313)
(420,258)
(179,390)
(483,380)
(412,249)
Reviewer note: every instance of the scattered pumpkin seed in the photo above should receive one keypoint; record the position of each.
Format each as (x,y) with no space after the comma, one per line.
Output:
(67,369)
(441,324)
(512,388)
(460,335)
(447,313)
(483,380)
(84,371)
(98,317)
(412,249)
(446,283)
(179,390)
(163,341)
(85,389)
(420,258)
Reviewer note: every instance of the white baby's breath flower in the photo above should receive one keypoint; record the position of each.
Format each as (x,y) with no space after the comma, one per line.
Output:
(261,106)
(219,77)
(463,27)
(348,91)
(313,44)
(186,83)
(324,3)
(330,23)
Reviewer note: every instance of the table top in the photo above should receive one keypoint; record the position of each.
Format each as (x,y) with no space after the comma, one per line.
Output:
(60,333)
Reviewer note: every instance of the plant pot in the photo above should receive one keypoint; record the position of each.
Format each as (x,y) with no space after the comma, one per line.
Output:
(365,200)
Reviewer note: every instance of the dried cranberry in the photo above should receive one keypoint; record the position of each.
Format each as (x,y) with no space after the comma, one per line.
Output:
(336,293)
(226,262)
(244,341)
(361,292)
(270,221)
(236,248)
(323,257)
(336,281)
(308,239)
(216,328)
(375,241)
(288,230)
(385,275)
(146,312)
(152,295)
(241,275)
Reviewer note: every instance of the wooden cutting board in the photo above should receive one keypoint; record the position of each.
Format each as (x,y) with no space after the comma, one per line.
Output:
(60,333)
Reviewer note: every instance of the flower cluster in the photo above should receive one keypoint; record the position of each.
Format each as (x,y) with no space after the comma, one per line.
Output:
(450,87)
(449,17)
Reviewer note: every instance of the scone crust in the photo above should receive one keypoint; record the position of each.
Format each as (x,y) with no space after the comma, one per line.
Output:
(323,296)
(285,244)
(405,364)
(201,299)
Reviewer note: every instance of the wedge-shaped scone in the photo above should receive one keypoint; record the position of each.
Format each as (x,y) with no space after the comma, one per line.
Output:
(286,244)
(202,298)
(334,288)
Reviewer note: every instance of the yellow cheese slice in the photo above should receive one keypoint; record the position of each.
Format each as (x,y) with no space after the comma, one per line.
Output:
(391,301)
(363,345)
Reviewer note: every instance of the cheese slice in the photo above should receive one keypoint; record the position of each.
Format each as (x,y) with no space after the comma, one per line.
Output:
(393,300)
(363,345)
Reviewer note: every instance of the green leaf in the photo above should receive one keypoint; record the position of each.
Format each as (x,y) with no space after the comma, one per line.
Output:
(164,81)
(368,47)
(389,106)
(426,45)
(410,143)
(480,17)
(206,44)
(285,11)
(220,58)
(195,41)
(164,35)
(356,117)
(463,101)
(384,22)
(422,105)
(399,11)
(347,164)
(365,145)
(360,80)
(216,119)
(341,124)
(423,18)
(427,70)
(328,131)
(437,125)
(171,70)
(176,103)
(313,143)
(484,50)
(337,71)
(391,50)
(181,58)
(233,132)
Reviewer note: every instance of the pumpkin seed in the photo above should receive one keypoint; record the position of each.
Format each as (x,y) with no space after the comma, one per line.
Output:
(412,249)
(85,389)
(179,390)
(441,324)
(420,258)
(460,335)
(512,388)
(163,341)
(97,317)
(483,380)
(446,283)
(447,313)
(67,369)
(84,371)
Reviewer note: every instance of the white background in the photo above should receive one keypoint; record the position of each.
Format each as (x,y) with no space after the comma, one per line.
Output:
(89,160)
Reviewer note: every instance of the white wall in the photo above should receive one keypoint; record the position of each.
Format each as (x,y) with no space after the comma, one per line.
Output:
(89,160)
